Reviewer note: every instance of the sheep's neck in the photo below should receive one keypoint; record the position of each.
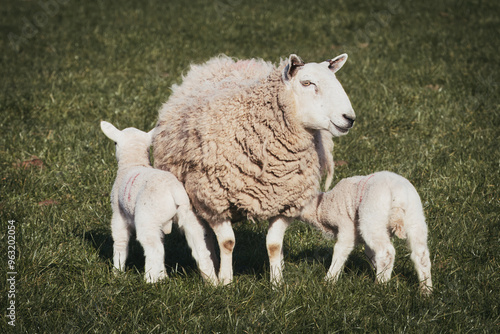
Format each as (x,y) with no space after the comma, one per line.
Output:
(290,131)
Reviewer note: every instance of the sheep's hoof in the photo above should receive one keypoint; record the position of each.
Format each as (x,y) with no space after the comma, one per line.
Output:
(331,279)
(277,283)
(225,281)
(212,280)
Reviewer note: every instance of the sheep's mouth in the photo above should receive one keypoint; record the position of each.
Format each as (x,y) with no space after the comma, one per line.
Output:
(339,128)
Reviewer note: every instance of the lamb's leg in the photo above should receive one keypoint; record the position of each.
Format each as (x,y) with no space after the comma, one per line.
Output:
(417,240)
(384,256)
(200,242)
(372,221)
(226,240)
(120,231)
(274,243)
(149,234)
(346,240)
(370,254)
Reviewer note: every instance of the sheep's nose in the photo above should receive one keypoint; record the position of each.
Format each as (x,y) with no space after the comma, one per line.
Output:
(350,119)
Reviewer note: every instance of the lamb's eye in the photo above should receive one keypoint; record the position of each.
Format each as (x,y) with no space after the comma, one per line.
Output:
(306,83)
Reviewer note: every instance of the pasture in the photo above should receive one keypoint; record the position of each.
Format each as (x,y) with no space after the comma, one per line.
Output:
(422,77)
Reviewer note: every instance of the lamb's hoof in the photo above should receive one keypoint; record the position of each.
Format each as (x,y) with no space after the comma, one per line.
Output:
(154,278)
(425,290)
(116,272)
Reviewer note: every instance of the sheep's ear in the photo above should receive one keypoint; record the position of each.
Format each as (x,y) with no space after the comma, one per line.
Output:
(110,131)
(337,62)
(294,64)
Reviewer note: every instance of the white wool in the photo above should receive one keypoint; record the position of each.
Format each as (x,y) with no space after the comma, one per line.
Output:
(250,140)
(373,207)
(148,200)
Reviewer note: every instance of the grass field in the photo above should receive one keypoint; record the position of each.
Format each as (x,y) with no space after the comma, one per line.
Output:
(423,79)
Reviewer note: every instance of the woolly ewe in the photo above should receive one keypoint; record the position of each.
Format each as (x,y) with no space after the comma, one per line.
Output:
(148,200)
(373,207)
(248,139)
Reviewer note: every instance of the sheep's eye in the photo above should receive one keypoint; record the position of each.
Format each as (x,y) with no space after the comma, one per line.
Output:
(306,83)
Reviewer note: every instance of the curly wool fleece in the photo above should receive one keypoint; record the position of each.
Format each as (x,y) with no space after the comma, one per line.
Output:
(236,143)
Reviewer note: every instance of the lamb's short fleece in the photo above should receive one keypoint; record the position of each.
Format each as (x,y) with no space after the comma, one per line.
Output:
(374,208)
(149,200)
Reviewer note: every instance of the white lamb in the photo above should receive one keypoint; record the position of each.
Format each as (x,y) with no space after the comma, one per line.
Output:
(373,207)
(148,200)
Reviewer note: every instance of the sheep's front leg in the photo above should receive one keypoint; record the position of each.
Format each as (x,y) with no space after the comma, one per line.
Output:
(226,240)
(346,239)
(274,243)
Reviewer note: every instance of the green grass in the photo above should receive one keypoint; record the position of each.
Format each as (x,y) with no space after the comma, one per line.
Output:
(423,79)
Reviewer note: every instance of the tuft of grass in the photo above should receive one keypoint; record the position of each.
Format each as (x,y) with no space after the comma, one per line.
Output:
(423,80)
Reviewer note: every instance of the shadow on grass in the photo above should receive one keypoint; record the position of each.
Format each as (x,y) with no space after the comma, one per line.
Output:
(357,264)
(249,256)
(250,253)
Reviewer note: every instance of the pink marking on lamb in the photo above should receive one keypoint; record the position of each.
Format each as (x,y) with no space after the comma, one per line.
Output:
(131,183)
(362,185)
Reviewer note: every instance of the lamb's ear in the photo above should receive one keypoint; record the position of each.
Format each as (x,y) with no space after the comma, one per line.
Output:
(294,63)
(337,62)
(110,131)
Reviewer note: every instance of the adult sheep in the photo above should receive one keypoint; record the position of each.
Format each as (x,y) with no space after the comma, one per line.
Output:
(248,139)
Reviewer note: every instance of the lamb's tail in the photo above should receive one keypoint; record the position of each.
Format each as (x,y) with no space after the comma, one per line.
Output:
(397,214)
(396,221)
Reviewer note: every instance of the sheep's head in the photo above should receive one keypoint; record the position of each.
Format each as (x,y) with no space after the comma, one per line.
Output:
(321,102)
(130,142)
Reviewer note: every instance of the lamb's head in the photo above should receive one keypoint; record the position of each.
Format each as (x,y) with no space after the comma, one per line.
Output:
(320,100)
(132,145)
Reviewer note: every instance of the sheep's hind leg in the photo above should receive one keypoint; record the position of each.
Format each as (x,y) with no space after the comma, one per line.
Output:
(120,232)
(226,240)
(274,243)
